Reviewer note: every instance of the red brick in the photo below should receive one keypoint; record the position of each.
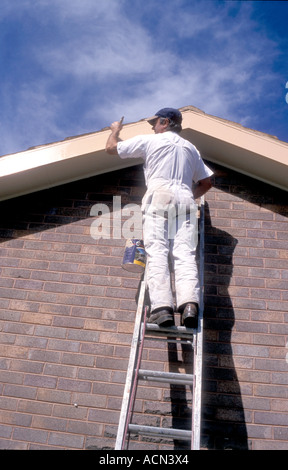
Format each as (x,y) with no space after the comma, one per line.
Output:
(74,385)
(104,302)
(252,327)
(13,445)
(275,391)
(61,345)
(82,428)
(260,432)
(50,332)
(96,375)
(91,401)
(280,378)
(27,366)
(265,273)
(276,263)
(106,416)
(76,278)
(271,340)
(255,351)
(30,435)
(283,306)
(35,407)
(77,359)
(120,293)
(54,396)
(59,287)
(68,322)
(100,325)
(55,308)
(36,318)
(9,262)
(67,314)
(40,381)
(107,363)
(60,370)
(281,433)
(66,440)
(48,423)
(14,418)
(262,234)
(31,342)
(13,351)
(271,418)
(34,264)
(44,356)
(97,349)
(63,267)
(5,431)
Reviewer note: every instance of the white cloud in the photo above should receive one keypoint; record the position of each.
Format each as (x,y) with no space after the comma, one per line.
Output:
(103,44)
(228,66)
(100,60)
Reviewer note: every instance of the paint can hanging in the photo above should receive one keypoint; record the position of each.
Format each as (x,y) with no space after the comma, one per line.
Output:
(134,259)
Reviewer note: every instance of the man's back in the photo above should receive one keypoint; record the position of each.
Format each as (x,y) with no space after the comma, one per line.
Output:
(167,156)
(171,158)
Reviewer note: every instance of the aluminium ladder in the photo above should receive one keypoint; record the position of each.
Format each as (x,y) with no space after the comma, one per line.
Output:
(135,373)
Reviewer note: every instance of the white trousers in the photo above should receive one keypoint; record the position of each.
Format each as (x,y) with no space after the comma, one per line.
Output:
(170,229)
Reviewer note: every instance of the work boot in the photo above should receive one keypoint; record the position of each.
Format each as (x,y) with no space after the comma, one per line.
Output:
(162,317)
(189,316)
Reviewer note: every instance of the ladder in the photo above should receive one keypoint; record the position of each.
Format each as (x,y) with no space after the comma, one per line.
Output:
(144,330)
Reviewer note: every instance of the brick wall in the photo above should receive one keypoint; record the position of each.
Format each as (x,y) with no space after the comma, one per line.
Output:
(67,313)
(245,401)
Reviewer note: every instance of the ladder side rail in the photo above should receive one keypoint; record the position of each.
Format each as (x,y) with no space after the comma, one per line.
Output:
(198,351)
(127,397)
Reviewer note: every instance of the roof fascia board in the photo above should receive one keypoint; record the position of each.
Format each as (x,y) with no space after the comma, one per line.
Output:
(239,136)
(60,163)
(252,153)
(48,154)
(84,156)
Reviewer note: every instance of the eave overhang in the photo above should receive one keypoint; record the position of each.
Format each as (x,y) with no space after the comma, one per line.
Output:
(249,152)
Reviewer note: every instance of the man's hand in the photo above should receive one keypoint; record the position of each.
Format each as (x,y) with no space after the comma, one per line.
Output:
(116,126)
(113,139)
(202,187)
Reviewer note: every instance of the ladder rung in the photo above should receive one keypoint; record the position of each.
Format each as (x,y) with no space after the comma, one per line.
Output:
(167,377)
(171,331)
(160,432)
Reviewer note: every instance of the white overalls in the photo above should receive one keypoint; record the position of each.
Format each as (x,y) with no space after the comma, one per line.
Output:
(169,214)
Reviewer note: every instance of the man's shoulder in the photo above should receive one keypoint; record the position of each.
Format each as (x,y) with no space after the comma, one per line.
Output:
(180,140)
(144,137)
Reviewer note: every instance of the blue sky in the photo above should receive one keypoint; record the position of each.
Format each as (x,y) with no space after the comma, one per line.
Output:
(70,67)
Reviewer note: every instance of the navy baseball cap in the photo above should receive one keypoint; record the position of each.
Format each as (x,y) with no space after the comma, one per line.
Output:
(170,113)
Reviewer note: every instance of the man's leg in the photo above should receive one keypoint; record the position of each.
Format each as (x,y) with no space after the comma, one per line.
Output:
(158,276)
(187,289)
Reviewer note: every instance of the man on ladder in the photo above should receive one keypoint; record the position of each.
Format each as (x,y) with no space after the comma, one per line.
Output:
(171,166)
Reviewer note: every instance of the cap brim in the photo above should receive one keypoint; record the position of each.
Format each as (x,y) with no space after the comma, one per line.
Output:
(152,119)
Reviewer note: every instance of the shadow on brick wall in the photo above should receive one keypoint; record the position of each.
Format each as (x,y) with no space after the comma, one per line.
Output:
(223,417)
(223,414)
(60,206)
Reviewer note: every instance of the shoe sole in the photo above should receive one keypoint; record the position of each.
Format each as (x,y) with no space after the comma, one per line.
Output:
(166,323)
(163,320)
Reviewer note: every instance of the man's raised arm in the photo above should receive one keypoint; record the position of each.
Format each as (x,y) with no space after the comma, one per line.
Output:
(113,139)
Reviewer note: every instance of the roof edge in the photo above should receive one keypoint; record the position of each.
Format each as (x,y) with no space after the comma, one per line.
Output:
(227,143)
